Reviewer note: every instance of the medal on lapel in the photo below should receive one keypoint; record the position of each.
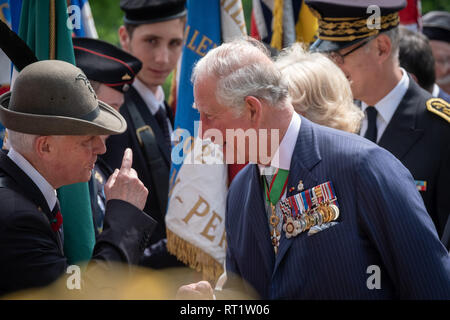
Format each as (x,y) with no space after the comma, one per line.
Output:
(273,193)
(275,234)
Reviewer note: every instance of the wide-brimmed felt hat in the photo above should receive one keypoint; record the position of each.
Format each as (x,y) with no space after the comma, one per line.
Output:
(53,97)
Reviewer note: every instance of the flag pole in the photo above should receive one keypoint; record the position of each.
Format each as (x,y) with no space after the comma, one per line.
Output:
(52,31)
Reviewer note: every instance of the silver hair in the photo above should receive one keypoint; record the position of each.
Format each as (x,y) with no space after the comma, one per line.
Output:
(21,142)
(243,69)
(394,37)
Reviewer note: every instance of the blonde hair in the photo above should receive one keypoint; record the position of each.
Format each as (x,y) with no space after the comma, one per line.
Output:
(319,89)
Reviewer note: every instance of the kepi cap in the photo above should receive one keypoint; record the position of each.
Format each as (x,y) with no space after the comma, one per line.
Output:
(152,11)
(436,25)
(343,23)
(106,63)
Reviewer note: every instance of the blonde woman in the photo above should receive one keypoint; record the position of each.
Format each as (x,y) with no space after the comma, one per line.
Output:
(319,89)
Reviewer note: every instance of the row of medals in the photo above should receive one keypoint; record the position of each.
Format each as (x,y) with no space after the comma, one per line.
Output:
(318,215)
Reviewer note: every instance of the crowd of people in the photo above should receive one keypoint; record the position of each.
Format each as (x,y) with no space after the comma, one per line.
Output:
(360,178)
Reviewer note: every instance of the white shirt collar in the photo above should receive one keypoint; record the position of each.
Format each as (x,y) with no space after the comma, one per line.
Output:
(436,90)
(153,102)
(386,107)
(47,190)
(283,155)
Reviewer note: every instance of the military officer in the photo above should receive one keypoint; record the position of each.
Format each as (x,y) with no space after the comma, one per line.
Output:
(362,38)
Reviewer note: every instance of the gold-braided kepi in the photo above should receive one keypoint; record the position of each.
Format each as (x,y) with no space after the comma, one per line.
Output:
(343,23)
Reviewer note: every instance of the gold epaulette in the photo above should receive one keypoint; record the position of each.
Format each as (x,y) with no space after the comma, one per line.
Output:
(440,107)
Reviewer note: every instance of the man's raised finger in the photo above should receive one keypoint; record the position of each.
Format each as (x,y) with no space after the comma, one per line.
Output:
(127,160)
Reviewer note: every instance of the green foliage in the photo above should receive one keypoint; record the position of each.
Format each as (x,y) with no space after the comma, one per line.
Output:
(108,18)
(432,5)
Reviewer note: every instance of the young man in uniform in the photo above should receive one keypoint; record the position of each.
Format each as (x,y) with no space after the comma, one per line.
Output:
(153,33)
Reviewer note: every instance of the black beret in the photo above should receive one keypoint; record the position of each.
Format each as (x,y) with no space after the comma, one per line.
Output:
(105,63)
(344,22)
(436,25)
(151,11)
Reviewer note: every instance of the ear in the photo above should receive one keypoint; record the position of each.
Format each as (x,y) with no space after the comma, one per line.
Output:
(43,146)
(384,47)
(254,107)
(124,38)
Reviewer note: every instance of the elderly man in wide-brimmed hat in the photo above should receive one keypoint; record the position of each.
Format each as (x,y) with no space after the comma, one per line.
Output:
(57,127)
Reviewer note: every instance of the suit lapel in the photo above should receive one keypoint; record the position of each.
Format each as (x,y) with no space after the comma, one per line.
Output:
(28,188)
(305,157)
(401,133)
(257,219)
(151,121)
(23,182)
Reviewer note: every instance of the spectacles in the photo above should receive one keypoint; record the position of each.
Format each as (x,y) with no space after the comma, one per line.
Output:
(338,58)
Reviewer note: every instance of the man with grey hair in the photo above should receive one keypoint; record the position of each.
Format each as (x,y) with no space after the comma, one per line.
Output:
(57,128)
(362,38)
(330,216)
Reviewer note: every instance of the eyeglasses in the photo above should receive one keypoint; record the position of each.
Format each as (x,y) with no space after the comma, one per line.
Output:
(338,58)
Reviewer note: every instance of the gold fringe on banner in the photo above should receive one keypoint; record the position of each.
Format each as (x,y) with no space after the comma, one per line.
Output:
(277,20)
(194,257)
(52,31)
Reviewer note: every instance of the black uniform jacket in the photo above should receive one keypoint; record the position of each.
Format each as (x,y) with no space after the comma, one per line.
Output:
(420,139)
(115,147)
(31,253)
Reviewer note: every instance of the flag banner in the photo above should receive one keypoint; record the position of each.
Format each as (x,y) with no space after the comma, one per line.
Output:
(232,19)
(5,63)
(195,217)
(80,20)
(280,23)
(411,15)
(43,25)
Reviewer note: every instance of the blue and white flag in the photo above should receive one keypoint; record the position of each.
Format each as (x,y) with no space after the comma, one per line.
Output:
(81,20)
(195,217)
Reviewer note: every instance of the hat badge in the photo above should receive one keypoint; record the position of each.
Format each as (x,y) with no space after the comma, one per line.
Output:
(83,77)
(126,76)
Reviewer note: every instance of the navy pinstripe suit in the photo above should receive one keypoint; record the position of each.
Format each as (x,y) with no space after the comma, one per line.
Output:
(382,222)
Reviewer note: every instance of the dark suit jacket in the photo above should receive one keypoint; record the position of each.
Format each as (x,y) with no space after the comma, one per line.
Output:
(443,95)
(382,222)
(421,141)
(116,146)
(31,254)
